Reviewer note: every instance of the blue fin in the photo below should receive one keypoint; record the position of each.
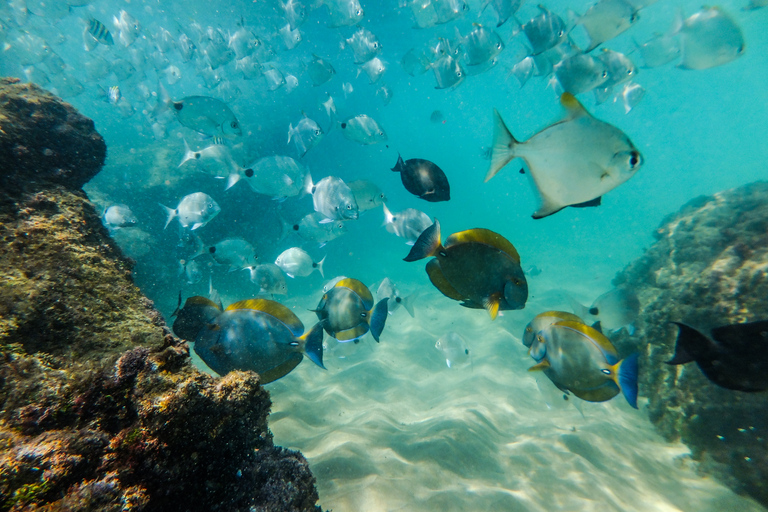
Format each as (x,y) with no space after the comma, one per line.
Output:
(627,378)
(379,318)
(313,345)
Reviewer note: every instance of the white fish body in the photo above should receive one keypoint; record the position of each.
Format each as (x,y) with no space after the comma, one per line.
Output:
(409,223)
(291,37)
(344,12)
(311,228)
(448,72)
(363,130)
(453,348)
(215,159)
(274,78)
(194,210)
(571,162)
(297,262)
(119,216)
(295,12)
(235,253)
(365,45)
(710,38)
(481,45)
(367,194)
(580,73)
(333,199)
(374,68)
(305,135)
(269,278)
(277,176)
(659,50)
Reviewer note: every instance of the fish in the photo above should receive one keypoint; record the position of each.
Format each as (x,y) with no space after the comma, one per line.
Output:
(186,47)
(99,32)
(387,289)
(631,95)
(164,41)
(306,135)
(367,195)
(734,357)
(581,360)
(614,309)
(363,130)
(297,262)
(235,253)
(423,13)
(216,159)
(347,88)
(276,176)
(333,199)
(755,4)
(330,106)
(291,36)
(580,73)
(453,348)
(709,38)
(620,69)
(480,45)
(269,278)
(243,42)
(128,28)
(504,9)
(295,12)
(659,50)
(423,179)
(543,320)
(291,82)
(319,70)
(409,223)
(172,74)
(545,31)
(572,162)
(374,68)
(344,13)
(259,335)
(330,284)
(275,80)
(113,94)
(195,210)
(448,72)
(311,228)
(196,313)
(207,115)
(606,20)
(415,63)
(191,271)
(384,93)
(365,45)
(478,267)
(449,10)
(119,216)
(347,312)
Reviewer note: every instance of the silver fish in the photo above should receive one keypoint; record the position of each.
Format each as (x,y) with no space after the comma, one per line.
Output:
(580,73)
(620,69)
(320,70)
(330,284)
(291,36)
(480,45)
(606,20)
(249,67)
(128,28)
(119,216)
(363,130)
(387,289)
(448,72)
(311,228)
(295,12)
(333,199)
(191,271)
(453,348)
(235,253)
(385,94)
(415,63)
(614,309)
(449,10)
(344,12)
(215,159)
(207,115)
(631,95)
(186,48)
(710,38)
(269,278)
(306,135)
(367,195)
(374,68)
(243,42)
(274,78)
(365,45)
(545,31)
(572,162)
(275,176)
(409,223)
(505,9)
(297,262)
(194,210)
(659,50)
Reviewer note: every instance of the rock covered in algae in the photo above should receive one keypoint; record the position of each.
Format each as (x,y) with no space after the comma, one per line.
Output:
(708,267)
(100,408)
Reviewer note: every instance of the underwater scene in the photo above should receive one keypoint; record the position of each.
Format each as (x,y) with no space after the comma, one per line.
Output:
(483,254)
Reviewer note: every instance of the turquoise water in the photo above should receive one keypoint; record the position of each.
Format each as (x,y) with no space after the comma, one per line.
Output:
(389,426)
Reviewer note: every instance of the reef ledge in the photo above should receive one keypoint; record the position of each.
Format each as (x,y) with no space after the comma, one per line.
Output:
(100,407)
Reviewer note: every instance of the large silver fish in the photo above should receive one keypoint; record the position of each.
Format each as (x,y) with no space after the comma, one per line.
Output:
(710,38)
(572,162)
(258,335)
(207,115)
(347,312)
(333,199)
(363,130)
(194,210)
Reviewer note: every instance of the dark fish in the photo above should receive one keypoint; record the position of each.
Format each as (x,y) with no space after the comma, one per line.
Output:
(436,117)
(478,267)
(196,313)
(99,32)
(735,357)
(424,179)
(346,311)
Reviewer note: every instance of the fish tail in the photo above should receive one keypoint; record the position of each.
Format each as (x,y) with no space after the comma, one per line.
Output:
(309,186)
(578,308)
(378,318)
(686,337)
(388,217)
(312,342)
(428,243)
(320,266)
(503,147)
(290,132)
(188,154)
(399,165)
(407,303)
(625,375)
(171,214)
(232,179)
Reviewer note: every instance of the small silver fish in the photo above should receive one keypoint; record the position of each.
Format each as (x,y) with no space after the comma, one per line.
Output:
(659,50)
(580,73)
(710,38)
(344,12)
(274,78)
(128,28)
(409,223)
(297,262)
(453,348)
(449,10)
(319,70)
(291,37)
(119,216)
(333,199)
(631,95)
(243,42)
(384,93)
(249,67)
(235,253)
(387,289)
(330,284)
(374,68)
(330,106)
(215,159)
(620,69)
(365,45)
(367,195)
(276,176)
(545,31)
(606,20)
(194,210)
(415,63)
(614,309)
(269,278)
(295,12)
(448,72)
(505,9)
(306,135)
(311,228)
(480,45)
(209,116)
(363,130)
(191,271)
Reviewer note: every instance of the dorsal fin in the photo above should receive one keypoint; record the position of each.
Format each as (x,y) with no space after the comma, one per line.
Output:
(598,338)
(572,105)
(360,289)
(274,309)
(484,236)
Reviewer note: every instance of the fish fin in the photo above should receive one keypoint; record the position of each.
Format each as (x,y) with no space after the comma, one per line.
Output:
(399,165)
(197,225)
(232,179)
(598,326)
(290,133)
(572,106)
(280,370)
(439,281)
(486,237)
(188,154)
(274,309)
(320,266)
(598,338)
(543,365)
(407,303)
(377,318)
(491,304)
(388,217)
(503,146)
(625,376)
(523,70)
(290,275)
(171,214)
(308,185)
(312,342)
(685,337)
(602,94)
(325,221)
(359,288)
(578,308)
(547,208)
(352,334)
(428,243)
(586,204)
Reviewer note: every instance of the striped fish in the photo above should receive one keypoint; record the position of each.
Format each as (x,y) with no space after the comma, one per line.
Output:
(113,95)
(99,32)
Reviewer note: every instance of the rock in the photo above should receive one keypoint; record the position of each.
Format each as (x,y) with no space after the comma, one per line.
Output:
(100,408)
(708,267)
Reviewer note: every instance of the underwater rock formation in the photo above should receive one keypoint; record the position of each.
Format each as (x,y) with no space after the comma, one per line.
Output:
(708,267)
(100,408)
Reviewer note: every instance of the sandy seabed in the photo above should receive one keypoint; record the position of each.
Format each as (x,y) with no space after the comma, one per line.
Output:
(390,427)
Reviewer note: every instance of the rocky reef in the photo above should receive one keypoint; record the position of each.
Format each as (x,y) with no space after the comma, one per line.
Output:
(708,267)
(100,408)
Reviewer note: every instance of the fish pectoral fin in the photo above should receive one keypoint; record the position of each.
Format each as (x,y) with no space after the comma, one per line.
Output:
(547,208)
(543,365)
(592,202)
(491,305)
(352,334)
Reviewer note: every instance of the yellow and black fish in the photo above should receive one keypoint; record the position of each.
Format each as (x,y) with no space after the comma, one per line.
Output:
(478,267)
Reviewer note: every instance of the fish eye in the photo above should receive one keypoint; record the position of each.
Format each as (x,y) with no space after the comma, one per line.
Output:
(605,74)
(234,124)
(317,132)
(634,159)
(359,12)
(540,339)
(560,33)
(528,329)
(349,207)
(458,73)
